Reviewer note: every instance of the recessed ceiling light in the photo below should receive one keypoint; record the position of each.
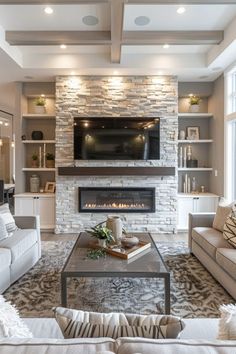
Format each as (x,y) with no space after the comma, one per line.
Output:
(142,20)
(181,10)
(63,46)
(42,95)
(48,10)
(166,46)
(90,20)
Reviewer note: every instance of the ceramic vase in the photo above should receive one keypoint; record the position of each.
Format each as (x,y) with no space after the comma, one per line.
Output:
(114,223)
(102,243)
(40,109)
(194,108)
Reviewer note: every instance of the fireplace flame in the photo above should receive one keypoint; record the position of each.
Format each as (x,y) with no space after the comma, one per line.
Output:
(114,206)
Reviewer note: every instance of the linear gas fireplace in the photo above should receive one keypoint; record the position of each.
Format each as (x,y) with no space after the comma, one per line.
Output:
(128,200)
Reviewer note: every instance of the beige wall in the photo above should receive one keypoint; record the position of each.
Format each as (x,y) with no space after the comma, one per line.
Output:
(7,97)
(216,106)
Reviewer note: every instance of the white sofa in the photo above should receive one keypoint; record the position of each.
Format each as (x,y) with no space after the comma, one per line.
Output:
(212,250)
(21,251)
(198,337)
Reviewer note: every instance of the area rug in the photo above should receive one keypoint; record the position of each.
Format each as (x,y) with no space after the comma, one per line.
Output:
(194,292)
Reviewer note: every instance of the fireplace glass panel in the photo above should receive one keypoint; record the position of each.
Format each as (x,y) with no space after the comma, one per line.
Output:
(117,199)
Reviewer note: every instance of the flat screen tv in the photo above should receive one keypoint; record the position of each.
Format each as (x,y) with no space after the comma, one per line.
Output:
(116,138)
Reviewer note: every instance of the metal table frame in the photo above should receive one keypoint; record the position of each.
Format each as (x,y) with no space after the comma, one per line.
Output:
(78,274)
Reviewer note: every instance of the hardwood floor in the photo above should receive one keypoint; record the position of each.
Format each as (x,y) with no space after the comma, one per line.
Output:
(179,237)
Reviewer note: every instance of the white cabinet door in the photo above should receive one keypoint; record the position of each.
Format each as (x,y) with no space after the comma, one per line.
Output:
(24,206)
(206,205)
(36,205)
(185,206)
(46,207)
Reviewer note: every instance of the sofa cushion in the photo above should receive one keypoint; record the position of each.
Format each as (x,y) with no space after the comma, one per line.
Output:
(209,239)
(226,258)
(58,346)
(229,232)
(19,242)
(171,346)
(5,258)
(77,324)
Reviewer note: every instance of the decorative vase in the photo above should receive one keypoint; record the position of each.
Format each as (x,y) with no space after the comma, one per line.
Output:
(34,163)
(40,109)
(37,135)
(102,243)
(50,163)
(129,241)
(114,223)
(34,184)
(182,135)
(194,108)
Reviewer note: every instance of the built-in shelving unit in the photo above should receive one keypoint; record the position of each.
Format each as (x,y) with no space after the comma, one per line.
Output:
(27,203)
(195,201)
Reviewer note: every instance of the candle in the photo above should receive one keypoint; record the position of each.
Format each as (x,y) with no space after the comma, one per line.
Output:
(44,155)
(40,157)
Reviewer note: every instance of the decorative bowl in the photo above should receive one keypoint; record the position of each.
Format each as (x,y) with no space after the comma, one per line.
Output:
(129,241)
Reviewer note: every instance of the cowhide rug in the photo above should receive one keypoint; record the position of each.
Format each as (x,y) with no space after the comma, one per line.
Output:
(194,292)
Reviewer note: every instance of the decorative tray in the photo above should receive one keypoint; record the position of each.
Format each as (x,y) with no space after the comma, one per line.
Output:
(124,252)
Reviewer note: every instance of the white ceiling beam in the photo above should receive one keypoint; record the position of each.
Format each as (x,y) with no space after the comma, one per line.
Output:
(58,37)
(172,37)
(181,2)
(117,17)
(146,2)
(52,2)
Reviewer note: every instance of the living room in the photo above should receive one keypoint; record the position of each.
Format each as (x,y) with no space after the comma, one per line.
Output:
(117,177)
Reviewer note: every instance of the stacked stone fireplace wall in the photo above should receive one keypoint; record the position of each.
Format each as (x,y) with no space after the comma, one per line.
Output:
(140,96)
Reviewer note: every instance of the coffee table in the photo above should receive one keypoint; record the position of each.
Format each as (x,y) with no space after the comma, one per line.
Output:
(148,264)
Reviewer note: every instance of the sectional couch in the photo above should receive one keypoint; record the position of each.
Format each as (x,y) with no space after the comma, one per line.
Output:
(19,252)
(212,250)
(198,337)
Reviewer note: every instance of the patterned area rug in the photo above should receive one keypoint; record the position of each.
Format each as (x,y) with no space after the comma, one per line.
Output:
(194,293)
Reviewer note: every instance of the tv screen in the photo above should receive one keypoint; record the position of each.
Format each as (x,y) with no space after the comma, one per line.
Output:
(116,138)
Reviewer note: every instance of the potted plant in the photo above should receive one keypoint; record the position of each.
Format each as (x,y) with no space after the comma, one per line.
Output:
(194,103)
(40,103)
(50,160)
(103,234)
(34,162)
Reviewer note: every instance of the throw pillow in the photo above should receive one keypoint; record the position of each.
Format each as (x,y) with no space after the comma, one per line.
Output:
(11,325)
(229,232)
(227,322)
(222,212)
(77,324)
(3,229)
(8,218)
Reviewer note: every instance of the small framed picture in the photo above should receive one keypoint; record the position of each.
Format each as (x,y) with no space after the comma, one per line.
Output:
(50,187)
(193,133)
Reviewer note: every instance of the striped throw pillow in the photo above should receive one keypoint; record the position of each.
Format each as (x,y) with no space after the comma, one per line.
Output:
(159,328)
(229,232)
(8,218)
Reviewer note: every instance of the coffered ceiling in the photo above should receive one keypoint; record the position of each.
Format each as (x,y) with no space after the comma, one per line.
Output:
(194,40)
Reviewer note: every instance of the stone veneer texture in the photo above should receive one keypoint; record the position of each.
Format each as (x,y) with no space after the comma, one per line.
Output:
(128,96)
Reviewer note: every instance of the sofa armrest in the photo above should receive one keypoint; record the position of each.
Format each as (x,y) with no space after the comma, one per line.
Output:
(198,220)
(30,222)
(27,222)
